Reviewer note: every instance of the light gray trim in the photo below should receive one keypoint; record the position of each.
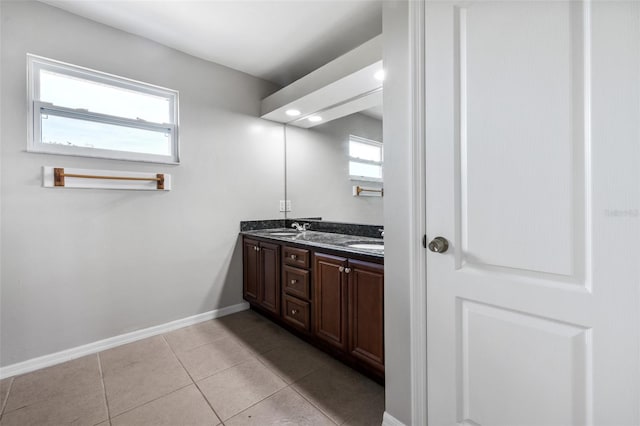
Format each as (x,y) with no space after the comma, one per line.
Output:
(112,342)
(418,283)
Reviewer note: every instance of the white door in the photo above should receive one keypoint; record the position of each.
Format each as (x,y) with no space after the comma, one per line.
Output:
(533,177)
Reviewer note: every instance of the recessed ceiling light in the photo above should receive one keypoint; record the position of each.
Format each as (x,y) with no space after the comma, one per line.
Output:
(315,118)
(293,112)
(379,75)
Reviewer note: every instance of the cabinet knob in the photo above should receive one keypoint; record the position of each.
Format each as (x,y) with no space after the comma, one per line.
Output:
(347,270)
(294,311)
(293,256)
(341,269)
(294,281)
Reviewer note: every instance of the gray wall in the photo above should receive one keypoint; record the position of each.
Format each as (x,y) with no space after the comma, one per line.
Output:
(318,181)
(397,215)
(83,265)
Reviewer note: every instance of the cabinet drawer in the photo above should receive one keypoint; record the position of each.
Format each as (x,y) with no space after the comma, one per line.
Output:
(296,257)
(296,312)
(296,282)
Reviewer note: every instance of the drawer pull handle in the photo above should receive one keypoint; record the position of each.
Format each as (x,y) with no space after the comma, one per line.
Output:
(293,256)
(294,311)
(294,281)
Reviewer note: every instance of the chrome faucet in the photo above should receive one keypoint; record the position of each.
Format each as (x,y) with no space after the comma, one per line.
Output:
(299,227)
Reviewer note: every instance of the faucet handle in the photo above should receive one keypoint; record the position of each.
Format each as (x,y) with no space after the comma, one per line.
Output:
(306,226)
(297,226)
(381,231)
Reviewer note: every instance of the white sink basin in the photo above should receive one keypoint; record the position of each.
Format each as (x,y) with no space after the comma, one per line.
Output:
(367,246)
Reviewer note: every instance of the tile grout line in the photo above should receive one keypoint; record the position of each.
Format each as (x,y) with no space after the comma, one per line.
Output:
(227,332)
(284,379)
(254,358)
(256,403)
(219,371)
(149,402)
(228,335)
(258,356)
(104,388)
(161,396)
(280,390)
(315,406)
(231,335)
(200,345)
(6,398)
(192,380)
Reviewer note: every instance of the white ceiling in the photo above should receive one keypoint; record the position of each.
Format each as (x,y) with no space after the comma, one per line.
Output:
(276,40)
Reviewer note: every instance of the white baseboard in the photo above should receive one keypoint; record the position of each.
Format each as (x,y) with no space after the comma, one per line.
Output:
(389,420)
(101,345)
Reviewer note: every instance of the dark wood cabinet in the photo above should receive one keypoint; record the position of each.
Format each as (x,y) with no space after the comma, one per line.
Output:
(296,288)
(349,307)
(334,302)
(330,300)
(366,312)
(269,288)
(295,281)
(251,267)
(296,312)
(262,274)
(296,257)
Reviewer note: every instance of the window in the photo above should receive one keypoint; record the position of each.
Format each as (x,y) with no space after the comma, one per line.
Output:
(365,159)
(77,111)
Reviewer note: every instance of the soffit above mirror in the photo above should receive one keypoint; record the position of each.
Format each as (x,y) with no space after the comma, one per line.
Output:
(350,83)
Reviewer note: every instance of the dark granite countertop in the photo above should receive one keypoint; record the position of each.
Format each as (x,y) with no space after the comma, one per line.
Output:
(329,240)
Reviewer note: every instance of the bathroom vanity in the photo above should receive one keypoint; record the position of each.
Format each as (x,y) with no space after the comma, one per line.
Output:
(326,284)
(327,288)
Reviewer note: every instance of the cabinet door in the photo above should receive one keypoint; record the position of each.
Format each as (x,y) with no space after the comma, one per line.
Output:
(366,312)
(269,278)
(330,300)
(251,269)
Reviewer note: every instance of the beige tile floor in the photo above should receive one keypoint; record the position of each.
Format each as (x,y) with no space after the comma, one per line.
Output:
(237,370)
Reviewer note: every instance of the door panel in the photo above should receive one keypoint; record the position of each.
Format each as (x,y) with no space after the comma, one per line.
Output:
(514,364)
(251,266)
(521,113)
(532,174)
(366,312)
(330,299)
(269,296)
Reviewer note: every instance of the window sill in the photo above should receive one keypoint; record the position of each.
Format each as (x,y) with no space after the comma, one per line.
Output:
(109,156)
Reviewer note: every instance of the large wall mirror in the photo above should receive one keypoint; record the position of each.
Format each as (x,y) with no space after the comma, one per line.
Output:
(335,170)
(333,138)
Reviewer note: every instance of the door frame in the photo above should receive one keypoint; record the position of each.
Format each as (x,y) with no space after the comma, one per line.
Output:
(418,256)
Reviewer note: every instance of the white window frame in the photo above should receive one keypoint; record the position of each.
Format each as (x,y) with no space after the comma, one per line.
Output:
(380,163)
(37,108)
